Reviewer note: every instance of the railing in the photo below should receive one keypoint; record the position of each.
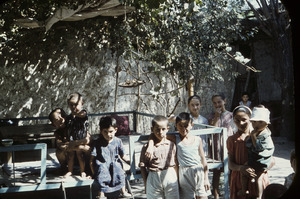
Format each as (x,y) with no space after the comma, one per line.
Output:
(137,141)
(138,121)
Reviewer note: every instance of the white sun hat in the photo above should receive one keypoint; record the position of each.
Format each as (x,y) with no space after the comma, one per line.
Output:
(260,114)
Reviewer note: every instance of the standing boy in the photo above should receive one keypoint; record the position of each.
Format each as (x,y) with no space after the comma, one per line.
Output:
(160,173)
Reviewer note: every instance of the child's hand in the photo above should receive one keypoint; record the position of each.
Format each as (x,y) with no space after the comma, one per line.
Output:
(149,153)
(206,184)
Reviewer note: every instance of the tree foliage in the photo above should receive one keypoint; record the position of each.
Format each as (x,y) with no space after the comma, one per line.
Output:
(189,38)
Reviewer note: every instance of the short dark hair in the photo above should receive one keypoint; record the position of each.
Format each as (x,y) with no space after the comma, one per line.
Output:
(274,191)
(63,113)
(245,93)
(106,122)
(222,95)
(242,108)
(76,94)
(194,96)
(183,116)
(158,118)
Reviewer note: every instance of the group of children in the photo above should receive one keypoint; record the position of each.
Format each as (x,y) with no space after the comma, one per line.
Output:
(172,166)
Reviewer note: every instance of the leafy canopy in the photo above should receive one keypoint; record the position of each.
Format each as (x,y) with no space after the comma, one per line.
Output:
(189,38)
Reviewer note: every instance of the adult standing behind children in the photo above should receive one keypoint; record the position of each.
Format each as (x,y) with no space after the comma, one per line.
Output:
(160,173)
(105,161)
(238,154)
(77,124)
(219,118)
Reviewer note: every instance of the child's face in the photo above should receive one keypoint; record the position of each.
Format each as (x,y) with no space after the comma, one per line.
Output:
(75,105)
(184,127)
(160,129)
(259,125)
(58,121)
(219,103)
(194,106)
(242,121)
(245,98)
(109,133)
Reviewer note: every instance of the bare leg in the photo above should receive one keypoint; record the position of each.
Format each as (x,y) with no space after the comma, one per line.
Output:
(70,164)
(259,185)
(216,182)
(81,163)
(62,159)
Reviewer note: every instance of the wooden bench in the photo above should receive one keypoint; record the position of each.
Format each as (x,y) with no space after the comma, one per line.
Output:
(137,141)
(29,133)
(42,181)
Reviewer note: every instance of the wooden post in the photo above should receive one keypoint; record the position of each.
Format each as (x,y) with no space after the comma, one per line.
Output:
(190,87)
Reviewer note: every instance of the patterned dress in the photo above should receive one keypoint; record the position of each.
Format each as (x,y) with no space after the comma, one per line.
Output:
(109,171)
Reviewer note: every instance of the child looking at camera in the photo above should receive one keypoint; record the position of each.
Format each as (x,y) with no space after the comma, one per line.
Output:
(260,148)
(160,173)
(106,155)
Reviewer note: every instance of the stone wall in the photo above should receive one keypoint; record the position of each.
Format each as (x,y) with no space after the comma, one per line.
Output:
(34,90)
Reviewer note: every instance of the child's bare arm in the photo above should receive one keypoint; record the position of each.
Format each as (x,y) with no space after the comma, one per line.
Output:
(149,151)
(126,159)
(81,114)
(144,175)
(91,164)
(204,163)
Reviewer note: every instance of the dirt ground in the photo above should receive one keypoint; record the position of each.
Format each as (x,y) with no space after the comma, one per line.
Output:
(277,174)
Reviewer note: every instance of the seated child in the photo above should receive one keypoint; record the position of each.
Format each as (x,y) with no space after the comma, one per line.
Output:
(106,155)
(260,148)
(160,174)
(77,124)
(64,149)
(245,100)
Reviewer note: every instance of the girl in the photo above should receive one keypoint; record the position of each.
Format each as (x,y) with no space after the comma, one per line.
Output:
(219,118)
(194,105)
(193,171)
(238,155)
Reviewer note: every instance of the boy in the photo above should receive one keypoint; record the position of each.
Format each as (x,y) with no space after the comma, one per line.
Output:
(260,148)
(77,124)
(105,162)
(245,100)
(161,180)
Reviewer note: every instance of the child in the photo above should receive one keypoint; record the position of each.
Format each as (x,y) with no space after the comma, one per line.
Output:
(63,147)
(106,154)
(219,118)
(194,105)
(193,171)
(57,118)
(260,148)
(245,100)
(77,124)
(161,179)
(289,179)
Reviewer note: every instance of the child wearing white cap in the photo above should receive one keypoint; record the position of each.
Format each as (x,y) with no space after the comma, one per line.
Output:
(260,148)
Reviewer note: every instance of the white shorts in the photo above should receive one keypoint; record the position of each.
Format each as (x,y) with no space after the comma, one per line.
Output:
(162,184)
(191,182)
